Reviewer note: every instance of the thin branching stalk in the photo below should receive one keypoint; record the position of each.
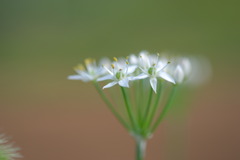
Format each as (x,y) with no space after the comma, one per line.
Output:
(165,109)
(142,101)
(110,106)
(154,109)
(148,107)
(129,109)
(139,92)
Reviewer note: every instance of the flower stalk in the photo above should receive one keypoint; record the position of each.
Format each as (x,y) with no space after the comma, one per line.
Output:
(110,106)
(165,109)
(148,107)
(129,109)
(154,108)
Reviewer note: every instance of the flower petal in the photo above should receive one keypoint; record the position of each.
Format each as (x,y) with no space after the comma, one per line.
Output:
(145,59)
(179,74)
(75,77)
(105,78)
(166,76)
(133,59)
(124,83)
(110,84)
(86,76)
(131,78)
(140,76)
(153,82)
(131,69)
(186,65)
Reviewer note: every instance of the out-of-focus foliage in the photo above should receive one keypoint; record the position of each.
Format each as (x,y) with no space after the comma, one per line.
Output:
(7,150)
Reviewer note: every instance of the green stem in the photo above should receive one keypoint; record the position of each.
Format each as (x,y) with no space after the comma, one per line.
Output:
(129,108)
(110,106)
(155,106)
(165,109)
(148,107)
(140,148)
(139,101)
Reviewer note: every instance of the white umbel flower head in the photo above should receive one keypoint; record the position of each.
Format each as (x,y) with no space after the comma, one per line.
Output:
(187,70)
(91,71)
(7,150)
(119,73)
(152,67)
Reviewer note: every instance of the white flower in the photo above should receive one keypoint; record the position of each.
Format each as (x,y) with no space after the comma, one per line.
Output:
(178,74)
(136,60)
(180,69)
(91,71)
(133,59)
(119,73)
(197,70)
(153,68)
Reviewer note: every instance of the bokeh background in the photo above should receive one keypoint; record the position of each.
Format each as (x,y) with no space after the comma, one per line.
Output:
(52,118)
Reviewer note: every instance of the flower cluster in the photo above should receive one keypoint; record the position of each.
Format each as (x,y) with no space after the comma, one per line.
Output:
(139,76)
(144,66)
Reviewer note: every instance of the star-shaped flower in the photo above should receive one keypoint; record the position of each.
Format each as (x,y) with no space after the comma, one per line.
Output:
(120,73)
(180,69)
(91,71)
(153,68)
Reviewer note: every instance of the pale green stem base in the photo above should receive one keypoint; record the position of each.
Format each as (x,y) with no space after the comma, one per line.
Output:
(141,145)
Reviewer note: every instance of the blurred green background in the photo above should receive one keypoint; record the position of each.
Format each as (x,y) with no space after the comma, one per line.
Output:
(40,42)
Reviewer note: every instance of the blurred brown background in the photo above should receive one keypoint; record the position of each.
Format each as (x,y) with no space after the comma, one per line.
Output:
(52,118)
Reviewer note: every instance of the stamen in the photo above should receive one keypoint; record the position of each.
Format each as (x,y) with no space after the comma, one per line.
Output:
(112,65)
(88,61)
(115,59)
(79,67)
(141,59)
(165,65)
(158,57)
